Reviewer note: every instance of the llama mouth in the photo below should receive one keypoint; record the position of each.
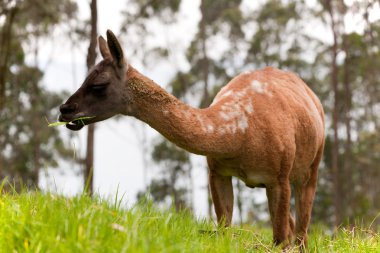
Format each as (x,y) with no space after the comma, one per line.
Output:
(75,125)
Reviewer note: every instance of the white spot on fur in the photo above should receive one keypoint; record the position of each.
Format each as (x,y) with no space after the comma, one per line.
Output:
(235,114)
(201,122)
(247,72)
(243,123)
(238,105)
(231,127)
(259,87)
(248,108)
(221,130)
(227,93)
(187,114)
(224,115)
(224,92)
(210,128)
(241,94)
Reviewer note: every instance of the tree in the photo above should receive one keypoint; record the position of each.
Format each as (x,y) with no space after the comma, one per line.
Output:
(91,57)
(24,102)
(349,105)
(172,183)
(334,10)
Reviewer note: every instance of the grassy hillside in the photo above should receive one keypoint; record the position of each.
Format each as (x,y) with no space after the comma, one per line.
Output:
(35,222)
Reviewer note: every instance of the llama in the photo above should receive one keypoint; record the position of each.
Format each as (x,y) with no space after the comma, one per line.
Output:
(265,127)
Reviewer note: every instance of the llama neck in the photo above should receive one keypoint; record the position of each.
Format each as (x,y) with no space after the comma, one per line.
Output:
(190,128)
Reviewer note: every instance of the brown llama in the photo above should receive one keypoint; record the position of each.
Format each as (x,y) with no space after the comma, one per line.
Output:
(265,127)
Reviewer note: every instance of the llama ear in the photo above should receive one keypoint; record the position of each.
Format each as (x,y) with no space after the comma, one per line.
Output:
(115,49)
(103,48)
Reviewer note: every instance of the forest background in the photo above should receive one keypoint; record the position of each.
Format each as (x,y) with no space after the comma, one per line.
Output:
(192,48)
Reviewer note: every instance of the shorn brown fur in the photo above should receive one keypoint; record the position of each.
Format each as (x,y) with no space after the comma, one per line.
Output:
(265,127)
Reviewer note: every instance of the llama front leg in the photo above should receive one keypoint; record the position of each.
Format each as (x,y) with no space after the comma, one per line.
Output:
(222,196)
(292,227)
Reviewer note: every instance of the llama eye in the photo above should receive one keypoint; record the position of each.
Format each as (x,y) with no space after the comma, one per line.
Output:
(98,87)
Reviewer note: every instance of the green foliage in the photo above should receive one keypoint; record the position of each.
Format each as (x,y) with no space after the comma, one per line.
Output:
(217,13)
(167,151)
(279,40)
(35,222)
(29,143)
(26,145)
(170,184)
(358,116)
(36,17)
(149,8)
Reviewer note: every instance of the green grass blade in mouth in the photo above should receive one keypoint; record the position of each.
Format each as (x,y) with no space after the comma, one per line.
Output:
(59,123)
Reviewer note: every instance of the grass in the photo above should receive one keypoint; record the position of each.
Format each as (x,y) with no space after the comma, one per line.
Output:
(37,222)
(60,123)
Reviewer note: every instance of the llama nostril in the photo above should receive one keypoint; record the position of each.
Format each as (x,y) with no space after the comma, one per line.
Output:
(68,108)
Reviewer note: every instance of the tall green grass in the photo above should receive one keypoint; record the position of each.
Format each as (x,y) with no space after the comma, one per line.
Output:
(37,222)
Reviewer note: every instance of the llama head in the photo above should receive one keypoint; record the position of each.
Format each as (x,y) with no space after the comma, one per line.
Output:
(102,94)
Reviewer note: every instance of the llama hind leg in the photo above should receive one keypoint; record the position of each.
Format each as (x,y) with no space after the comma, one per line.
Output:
(304,195)
(304,203)
(222,195)
(279,207)
(292,224)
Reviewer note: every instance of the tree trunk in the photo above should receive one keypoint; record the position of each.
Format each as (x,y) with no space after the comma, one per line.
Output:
(335,147)
(91,57)
(205,62)
(347,169)
(347,103)
(5,52)
(205,68)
